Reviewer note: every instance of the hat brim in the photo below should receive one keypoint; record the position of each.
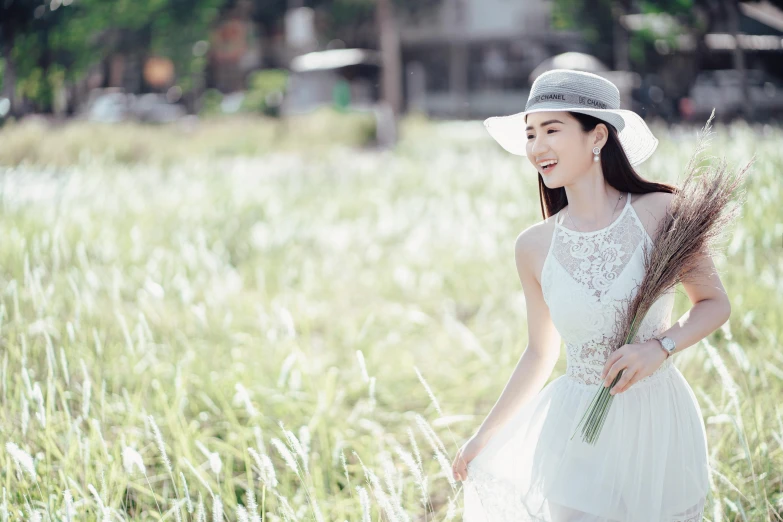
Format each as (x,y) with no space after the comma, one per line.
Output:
(635,136)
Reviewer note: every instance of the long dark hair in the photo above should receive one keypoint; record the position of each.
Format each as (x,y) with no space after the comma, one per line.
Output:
(618,171)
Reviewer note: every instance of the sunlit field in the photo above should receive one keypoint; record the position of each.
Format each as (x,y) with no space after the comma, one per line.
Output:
(228,324)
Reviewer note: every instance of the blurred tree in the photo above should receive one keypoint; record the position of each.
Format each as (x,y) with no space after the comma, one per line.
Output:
(16,17)
(46,43)
(626,51)
(391,54)
(590,20)
(694,19)
(265,91)
(267,13)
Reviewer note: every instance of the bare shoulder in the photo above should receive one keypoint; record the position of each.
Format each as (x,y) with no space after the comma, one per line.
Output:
(650,208)
(532,246)
(654,202)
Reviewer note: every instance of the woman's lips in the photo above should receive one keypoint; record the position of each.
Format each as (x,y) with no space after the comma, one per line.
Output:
(548,168)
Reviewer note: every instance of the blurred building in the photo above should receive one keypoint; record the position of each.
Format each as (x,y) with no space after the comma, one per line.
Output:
(759,27)
(472,58)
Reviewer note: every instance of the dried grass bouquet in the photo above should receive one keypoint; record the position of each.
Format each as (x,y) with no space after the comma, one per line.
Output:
(697,218)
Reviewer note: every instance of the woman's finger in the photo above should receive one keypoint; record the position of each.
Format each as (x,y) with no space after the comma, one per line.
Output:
(613,357)
(624,381)
(614,370)
(634,380)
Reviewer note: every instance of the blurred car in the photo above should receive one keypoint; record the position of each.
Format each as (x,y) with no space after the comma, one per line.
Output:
(107,105)
(721,89)
(5,108)
(112,105)
(155,108)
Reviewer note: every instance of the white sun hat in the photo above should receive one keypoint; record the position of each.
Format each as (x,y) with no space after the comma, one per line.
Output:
(576,91)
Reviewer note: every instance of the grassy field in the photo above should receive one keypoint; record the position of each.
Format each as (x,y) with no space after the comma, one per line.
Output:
(222,324)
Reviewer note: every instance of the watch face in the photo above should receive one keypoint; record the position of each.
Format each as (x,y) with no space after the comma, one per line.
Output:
(668,343)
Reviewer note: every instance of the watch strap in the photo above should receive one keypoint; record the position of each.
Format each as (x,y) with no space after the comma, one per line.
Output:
(660,342)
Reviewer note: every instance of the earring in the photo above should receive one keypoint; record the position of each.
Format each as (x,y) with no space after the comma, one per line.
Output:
(596,151)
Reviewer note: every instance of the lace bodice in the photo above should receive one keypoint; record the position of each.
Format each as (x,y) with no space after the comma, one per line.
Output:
(585,278)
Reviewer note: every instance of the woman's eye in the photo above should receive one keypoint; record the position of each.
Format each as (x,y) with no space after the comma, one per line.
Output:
(530,137)
(551,130)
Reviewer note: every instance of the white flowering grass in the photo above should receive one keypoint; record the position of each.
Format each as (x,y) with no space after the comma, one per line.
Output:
(22,459)
(310,334)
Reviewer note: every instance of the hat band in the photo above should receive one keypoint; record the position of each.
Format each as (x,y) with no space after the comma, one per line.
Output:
(578,99)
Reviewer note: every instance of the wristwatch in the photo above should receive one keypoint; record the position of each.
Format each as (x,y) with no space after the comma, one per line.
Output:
(668,345)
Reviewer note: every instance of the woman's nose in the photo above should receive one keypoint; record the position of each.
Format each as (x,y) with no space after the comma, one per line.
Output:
(538,146)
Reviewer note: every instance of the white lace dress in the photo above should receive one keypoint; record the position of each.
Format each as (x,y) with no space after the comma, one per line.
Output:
(650,462)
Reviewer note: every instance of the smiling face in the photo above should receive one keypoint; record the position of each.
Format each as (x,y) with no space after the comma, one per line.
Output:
(559,148)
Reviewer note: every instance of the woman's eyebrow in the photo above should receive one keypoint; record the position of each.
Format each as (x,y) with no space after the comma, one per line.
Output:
(548,122)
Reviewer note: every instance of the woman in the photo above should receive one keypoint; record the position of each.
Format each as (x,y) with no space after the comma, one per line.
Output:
(650,462)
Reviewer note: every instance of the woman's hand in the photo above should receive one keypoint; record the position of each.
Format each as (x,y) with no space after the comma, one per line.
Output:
(637,360)
(468,451)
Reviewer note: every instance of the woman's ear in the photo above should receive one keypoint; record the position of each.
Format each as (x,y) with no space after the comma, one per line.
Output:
(601,134)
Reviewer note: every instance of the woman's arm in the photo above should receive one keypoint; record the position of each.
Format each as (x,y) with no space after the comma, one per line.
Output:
(543,348)
(711,308)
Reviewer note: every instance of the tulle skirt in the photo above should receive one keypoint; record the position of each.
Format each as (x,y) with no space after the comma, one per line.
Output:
(649,464)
